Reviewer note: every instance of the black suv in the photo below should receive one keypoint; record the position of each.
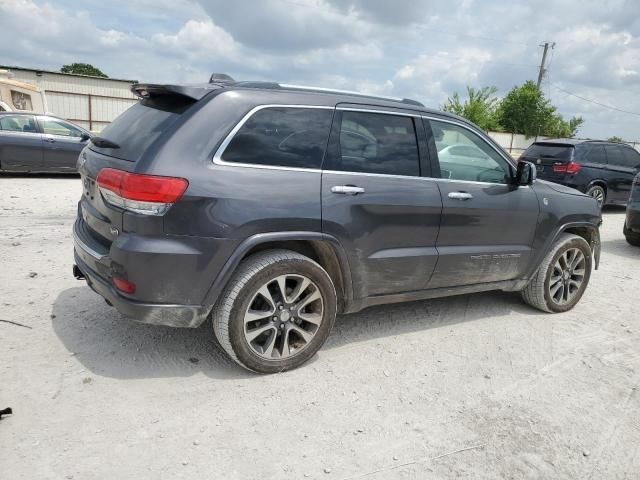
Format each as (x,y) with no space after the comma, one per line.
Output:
(632,221)
(603,170)
(274,208)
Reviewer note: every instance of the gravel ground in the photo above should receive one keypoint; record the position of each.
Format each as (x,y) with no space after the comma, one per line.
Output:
(476,386)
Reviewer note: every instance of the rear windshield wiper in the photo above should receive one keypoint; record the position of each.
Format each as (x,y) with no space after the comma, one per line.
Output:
(104,143)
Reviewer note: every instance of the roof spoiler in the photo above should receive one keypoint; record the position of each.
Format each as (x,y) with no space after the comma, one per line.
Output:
(148,90)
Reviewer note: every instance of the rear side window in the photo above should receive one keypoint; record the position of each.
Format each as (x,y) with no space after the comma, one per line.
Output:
(591,154)
(550,151)
(614,155)
(378,143)
(18,123)
(138,127)
(282,136)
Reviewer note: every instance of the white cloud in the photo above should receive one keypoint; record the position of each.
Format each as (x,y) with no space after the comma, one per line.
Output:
(409,48)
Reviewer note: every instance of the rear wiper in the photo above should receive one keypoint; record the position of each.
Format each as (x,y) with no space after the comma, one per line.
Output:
(104,143)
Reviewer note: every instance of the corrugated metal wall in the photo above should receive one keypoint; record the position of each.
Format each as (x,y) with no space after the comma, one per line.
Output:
(89,102)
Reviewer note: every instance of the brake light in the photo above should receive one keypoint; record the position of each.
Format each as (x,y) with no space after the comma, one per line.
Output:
(146,194)
(124,285)
(571,168)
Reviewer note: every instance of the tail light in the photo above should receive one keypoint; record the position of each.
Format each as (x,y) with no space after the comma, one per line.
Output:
(571,168)
(146,194)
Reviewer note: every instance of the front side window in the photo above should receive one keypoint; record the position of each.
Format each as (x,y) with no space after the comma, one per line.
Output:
(52,126)
(22,101)
(18,123)
(282,136)
(378,143)
(464,155)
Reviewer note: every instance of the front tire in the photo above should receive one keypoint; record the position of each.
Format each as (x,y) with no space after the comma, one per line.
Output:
(276,312)
(562,277)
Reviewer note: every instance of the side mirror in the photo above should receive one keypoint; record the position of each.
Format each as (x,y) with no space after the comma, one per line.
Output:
(84,137)
(525,174)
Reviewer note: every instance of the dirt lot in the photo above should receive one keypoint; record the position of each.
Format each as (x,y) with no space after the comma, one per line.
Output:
(477,386)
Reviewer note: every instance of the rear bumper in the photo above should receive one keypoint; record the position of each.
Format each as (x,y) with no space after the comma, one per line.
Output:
(152,313)
(94,263)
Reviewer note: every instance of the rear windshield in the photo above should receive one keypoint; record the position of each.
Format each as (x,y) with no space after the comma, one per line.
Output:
(142,124)
(553,151)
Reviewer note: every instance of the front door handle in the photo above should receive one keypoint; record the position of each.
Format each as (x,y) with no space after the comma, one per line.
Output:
(460,195)
(347,189)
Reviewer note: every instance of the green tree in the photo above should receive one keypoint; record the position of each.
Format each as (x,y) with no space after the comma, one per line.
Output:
(479,107)
(616,139)
(526,110)
(83,69)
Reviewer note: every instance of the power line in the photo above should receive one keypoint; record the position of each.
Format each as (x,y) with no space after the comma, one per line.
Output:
(590,100)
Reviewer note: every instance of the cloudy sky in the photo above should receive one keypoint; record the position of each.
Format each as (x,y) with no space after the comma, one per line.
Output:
(419,49)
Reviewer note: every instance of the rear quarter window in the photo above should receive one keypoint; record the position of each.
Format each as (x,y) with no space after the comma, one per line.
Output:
(281,136)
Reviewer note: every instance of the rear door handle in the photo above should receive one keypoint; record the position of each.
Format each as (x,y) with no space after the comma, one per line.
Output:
(460,195)
(347,189)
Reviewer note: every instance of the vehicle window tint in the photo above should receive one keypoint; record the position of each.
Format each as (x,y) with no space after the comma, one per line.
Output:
(464,155)
(378,143)
(282,136)
(614,155)
(138,127)
(552,151)
(591,154)
(52,126)
(18,123)
(632,157)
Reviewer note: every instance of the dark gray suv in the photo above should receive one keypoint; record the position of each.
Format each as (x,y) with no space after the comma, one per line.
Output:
(273,208)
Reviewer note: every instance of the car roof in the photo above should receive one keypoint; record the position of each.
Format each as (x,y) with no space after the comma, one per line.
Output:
(314,95)
(569,141)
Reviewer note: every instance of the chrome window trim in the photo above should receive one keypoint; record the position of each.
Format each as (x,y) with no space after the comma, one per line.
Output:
(217,157)
(386,175)
(387,112)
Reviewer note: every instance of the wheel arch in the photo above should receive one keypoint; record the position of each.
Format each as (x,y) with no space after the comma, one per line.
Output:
(322,248)
(600,183)
(586,230)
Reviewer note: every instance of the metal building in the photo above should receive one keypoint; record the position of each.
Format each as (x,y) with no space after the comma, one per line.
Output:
(91,102)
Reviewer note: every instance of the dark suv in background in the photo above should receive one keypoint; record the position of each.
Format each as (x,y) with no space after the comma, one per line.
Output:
(274,208)
(632,221)
(603,170)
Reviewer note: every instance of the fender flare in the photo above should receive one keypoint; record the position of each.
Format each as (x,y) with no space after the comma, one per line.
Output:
(261,238)
(595,243)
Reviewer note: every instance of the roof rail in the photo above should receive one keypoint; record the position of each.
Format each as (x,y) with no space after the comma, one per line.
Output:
(350,92)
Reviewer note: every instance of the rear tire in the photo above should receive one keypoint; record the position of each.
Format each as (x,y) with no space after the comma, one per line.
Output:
(276,312)
(562,277)
(599,193)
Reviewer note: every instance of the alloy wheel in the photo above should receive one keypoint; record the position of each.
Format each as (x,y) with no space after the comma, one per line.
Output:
(567,276)
(598,194)
(283,316)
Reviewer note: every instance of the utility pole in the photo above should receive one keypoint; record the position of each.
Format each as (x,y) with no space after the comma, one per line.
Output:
(544,59)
